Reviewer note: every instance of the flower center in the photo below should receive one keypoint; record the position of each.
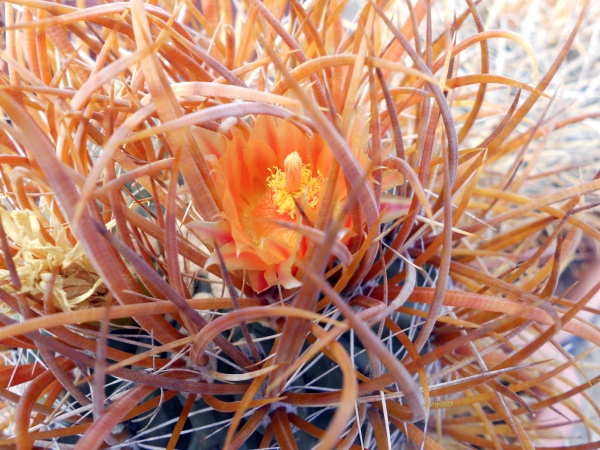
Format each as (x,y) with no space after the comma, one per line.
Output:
(294,182)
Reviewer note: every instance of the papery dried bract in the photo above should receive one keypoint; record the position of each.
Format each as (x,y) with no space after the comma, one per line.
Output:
(38,254)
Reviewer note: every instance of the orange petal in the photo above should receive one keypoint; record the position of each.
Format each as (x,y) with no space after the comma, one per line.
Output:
(219,231)
(234,260)
(391,178)
(393,207)
(282,274)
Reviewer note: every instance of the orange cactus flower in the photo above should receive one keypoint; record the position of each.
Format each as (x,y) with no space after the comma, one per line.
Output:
(272,176)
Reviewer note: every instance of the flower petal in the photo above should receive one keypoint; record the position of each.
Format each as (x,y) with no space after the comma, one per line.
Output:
(393,207)
(218,231)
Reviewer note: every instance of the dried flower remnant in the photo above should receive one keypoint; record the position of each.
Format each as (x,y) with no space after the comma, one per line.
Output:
(40,253)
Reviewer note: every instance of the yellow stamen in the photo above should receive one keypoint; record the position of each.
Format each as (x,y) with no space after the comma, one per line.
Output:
(294,182)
